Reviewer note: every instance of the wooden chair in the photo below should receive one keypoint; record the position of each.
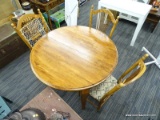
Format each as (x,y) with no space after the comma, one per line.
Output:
(30,27)
(104,13)
(104,90)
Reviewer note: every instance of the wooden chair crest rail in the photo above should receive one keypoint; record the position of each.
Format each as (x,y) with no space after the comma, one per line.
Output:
(104,13)
(30,27)
(104,90)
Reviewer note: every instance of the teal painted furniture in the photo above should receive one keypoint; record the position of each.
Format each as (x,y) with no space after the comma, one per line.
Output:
(58,17)
(4,109)
(57,14)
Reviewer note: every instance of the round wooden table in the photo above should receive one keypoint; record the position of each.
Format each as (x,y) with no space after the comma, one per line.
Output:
(74,59)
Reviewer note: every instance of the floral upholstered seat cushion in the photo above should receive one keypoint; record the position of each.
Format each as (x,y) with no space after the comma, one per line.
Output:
(98,91)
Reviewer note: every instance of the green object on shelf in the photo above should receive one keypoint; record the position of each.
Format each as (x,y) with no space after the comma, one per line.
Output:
(57,14)
(45,16)
(58,17)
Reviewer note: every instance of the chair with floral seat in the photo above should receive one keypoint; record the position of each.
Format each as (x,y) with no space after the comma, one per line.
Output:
(106,89)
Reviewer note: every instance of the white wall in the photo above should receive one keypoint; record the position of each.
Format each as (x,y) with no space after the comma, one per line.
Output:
(71,12)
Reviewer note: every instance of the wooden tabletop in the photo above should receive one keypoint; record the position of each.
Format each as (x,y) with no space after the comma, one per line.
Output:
(73,58)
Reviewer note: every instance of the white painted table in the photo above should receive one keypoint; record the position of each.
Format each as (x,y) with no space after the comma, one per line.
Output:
(155,60)
(137,9)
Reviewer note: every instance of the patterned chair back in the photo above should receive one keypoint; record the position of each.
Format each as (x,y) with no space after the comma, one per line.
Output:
(30,27)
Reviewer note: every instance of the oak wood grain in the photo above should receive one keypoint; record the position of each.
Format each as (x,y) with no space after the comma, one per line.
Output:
(73,58)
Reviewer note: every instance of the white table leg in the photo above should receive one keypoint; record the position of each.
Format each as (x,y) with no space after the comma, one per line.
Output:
(138,28)
(98,18)
(154,59)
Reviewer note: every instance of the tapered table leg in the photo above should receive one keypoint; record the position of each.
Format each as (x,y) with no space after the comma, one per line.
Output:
(84,95)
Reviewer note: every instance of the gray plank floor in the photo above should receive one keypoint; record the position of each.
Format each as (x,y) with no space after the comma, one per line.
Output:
(18,83)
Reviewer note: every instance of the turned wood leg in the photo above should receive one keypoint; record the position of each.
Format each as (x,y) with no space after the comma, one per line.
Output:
(84,95)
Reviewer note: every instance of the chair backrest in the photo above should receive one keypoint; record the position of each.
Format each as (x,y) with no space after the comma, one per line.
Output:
(132,74)
(30,27)
(104,13)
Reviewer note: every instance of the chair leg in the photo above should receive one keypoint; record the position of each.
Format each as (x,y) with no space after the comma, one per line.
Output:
(99,107)
(79,93)
(6,99)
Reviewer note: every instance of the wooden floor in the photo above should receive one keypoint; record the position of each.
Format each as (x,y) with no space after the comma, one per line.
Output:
(18,83)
